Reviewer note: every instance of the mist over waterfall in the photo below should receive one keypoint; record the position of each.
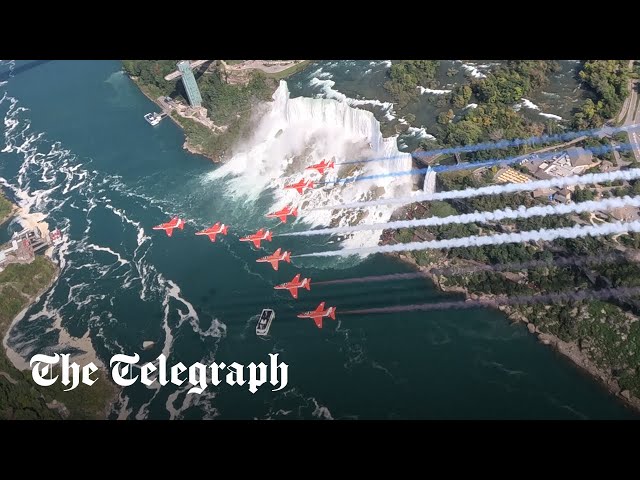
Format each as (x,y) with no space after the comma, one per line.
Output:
(298,132)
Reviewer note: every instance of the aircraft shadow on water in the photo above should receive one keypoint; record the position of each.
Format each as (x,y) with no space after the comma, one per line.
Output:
(7,74)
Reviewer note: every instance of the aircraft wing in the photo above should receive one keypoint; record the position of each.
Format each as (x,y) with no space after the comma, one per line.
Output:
(296,279)
(320,307)
(274,264)
(212,236)
(294,292)
(169,231)
(318,320)
(256,242)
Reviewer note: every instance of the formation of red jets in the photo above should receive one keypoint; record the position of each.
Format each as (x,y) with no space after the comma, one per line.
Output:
(300,185)
(319,313)
(211,232)
(257,237)
(283,213)
(265,235)
(168,227)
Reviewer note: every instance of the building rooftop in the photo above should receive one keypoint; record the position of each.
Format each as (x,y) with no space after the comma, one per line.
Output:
(542,175)
(509,175)
(625,213)
(579,156)
(543,192)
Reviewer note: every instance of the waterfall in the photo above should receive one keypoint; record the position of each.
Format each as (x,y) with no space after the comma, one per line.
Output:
(297,132)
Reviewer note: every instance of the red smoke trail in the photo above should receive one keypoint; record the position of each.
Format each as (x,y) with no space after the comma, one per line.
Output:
(497,301)
(559,262)
(374,278)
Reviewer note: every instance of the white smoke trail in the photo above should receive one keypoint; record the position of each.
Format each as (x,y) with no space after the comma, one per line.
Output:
(559,182)
(477,241)
(483,217)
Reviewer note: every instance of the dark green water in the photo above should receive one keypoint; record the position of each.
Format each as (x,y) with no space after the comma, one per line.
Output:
(77,148)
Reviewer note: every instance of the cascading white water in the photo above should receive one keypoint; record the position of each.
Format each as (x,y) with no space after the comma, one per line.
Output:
(301,131)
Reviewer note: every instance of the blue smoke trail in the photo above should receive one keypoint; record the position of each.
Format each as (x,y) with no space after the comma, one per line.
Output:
(484,163)
(563,137)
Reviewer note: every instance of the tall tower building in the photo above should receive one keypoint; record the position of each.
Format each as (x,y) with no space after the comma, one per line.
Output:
(189,82)
(429,181)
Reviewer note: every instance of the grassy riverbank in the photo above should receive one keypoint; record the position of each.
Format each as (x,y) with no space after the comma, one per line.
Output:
(229,106)
(20,397)
(6,209)
(602,337)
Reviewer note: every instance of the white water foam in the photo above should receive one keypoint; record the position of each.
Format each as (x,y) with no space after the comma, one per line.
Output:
(528,104)
(474,70)
(424,90)
(551,115)
(301,131)
(420,133)
(532,106)
(69,183)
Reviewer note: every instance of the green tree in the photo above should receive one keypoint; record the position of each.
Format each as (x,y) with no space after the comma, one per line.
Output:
(406,75)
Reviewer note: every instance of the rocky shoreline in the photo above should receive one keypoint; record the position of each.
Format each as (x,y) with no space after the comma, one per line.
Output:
(568,350)
(194,149)
(10,215)
(186,145)
(33,220)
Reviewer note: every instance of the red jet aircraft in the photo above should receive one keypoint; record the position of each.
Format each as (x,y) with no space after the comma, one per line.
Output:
(294,284)
(257,237)
(301,185)
(276,257)
(283,213)
(320,167)
(211,232)
(168,227)
(319,313)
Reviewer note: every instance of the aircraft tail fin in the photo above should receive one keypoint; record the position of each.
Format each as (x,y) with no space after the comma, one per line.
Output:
(268,235)
(224,229)
(294,212)
(287,257)
(332,312)
(307,283)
